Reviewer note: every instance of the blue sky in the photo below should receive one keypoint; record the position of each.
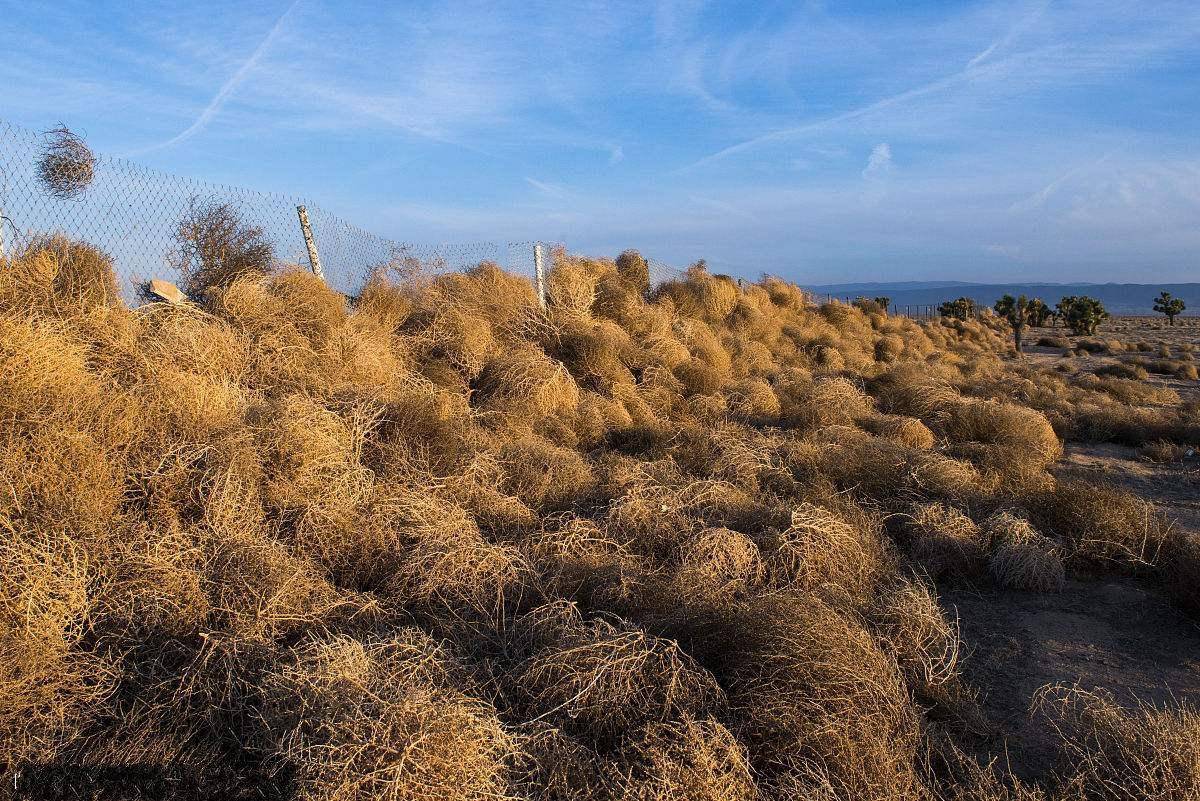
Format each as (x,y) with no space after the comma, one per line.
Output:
(825,141)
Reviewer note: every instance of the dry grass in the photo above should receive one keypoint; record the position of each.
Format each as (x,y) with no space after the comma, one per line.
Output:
(1103,524)
(66,166)
(382,719)
(599,680)
(1022,558)
(1111,754)
(1179,564)
(823,710)
(943,541)
(438,542)
(924,642)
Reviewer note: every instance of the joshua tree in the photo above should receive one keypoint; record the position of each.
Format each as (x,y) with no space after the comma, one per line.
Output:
(884,302)
(961,309)
(1017,312)
(1165,304)
(1082,314)
(1039,312)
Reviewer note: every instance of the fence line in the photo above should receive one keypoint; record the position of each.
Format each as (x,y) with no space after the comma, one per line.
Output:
(133,213)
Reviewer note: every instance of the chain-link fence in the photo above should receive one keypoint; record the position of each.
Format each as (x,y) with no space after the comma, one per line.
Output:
(660,272)
(133,213)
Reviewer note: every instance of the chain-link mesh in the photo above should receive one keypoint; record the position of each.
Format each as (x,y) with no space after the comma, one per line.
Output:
(661,273)
(133,214)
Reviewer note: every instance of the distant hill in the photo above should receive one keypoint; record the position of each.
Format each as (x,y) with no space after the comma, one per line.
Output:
(1117,298)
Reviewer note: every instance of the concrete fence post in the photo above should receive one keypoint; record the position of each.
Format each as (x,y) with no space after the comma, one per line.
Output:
(539,273)
(314,259)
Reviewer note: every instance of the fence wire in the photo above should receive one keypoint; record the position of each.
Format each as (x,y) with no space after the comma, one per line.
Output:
(133,214)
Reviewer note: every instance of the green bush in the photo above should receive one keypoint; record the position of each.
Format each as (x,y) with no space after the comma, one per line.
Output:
(961,309)
(1082,314)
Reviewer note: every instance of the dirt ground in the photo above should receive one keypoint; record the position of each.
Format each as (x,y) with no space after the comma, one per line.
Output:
(1117,634)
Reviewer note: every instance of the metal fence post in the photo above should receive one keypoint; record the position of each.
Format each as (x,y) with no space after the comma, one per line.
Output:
(314,258)
(539,273)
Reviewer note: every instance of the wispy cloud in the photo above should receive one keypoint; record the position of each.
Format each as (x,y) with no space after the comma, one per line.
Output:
(1026,22)
(879,163)
(1039,198)
(227,89)
(1046,126)
(546,188)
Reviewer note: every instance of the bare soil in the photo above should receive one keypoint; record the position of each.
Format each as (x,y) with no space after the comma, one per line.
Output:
(1148,333)
(1117,634)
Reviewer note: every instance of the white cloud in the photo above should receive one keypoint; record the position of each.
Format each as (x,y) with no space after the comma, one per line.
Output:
(879,163)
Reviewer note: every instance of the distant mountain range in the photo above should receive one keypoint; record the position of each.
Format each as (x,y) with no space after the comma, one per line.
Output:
(1117,298)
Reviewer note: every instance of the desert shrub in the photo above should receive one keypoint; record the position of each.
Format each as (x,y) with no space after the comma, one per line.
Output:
(1179,565)
(905,430)
(1173,367)
(216,247)
(826,552)
(382,719)
(701,295)
(695,759)
(634,271)
(1121,370)
(545,477)
(820,706)
(888,348)
(1109,753)
(827,401)
(447,567)
(1163,452)
(1022,558)
(599,679)
(49,687)
(525,384)
(719,564)
(754,401)
(936,476)
(1082,314)
(66,165)
(914,629)
(944,542)
(72,274)
(1103,524)
(1023,439)
(61,432)
(571,286)
(386,299)
(1054,342)
(1095,346)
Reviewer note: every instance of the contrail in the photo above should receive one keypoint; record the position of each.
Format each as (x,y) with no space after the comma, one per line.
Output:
(228,88)
(976,67)
(1023,25)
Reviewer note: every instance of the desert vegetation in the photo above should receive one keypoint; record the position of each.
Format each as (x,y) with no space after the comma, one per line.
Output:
(437,542)
(1169,307)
